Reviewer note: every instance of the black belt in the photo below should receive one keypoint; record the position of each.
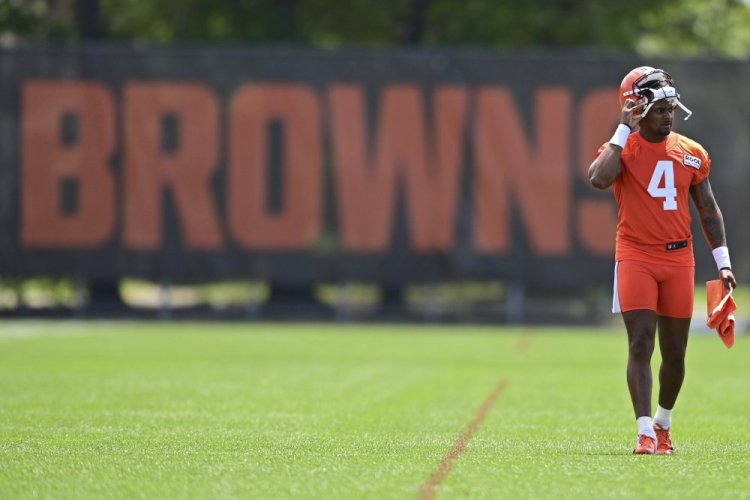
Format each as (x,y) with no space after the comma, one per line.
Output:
(676,245)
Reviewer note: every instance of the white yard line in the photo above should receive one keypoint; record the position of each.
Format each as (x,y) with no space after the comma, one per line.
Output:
(12,331)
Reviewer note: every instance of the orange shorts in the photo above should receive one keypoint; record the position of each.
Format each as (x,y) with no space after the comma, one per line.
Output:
(668,290)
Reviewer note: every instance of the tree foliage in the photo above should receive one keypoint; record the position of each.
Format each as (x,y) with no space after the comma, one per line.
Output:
(697,27)
(669,27)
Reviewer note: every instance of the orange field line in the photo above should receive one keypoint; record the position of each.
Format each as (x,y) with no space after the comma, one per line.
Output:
(524,341)
(427,491)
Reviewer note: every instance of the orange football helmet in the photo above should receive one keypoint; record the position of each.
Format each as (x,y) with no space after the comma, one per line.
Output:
(647,85)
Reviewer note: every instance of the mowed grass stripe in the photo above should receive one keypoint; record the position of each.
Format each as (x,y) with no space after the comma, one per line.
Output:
(207,410)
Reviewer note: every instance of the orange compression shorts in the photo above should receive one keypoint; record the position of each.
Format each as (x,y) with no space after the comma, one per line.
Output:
(668,290)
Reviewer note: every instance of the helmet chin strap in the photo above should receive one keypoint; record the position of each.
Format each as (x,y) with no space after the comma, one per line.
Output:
(663,93)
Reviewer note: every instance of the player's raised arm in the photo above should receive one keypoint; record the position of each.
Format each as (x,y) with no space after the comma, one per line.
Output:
(606,166)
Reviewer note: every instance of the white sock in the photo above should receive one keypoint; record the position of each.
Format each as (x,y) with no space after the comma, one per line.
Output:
(645,427)
(663,417)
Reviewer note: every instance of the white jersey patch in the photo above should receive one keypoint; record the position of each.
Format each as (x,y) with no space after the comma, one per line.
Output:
(692,161)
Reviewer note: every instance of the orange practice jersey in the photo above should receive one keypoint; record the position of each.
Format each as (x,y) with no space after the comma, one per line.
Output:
(653,195)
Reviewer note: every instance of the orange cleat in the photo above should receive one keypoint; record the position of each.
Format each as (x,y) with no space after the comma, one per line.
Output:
(663,440)
(646,445)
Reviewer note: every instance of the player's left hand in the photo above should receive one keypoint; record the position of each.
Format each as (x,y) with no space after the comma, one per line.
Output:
(727,277)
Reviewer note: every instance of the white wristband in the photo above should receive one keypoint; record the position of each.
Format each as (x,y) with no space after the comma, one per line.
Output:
(621,135)
(721,256)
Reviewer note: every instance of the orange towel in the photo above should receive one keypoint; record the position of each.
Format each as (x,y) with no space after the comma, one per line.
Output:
(721,305)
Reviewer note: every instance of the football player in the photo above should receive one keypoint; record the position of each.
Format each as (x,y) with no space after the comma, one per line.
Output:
(655,172)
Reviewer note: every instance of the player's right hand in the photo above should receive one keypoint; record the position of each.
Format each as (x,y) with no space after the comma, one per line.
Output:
(631,113)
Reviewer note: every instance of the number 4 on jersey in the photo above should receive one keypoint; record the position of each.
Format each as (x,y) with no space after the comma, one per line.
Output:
(664,169)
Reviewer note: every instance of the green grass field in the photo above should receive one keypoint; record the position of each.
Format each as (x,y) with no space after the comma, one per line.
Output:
(207,410)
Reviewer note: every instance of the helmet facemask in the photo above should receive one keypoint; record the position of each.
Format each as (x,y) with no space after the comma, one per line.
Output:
(655,86)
